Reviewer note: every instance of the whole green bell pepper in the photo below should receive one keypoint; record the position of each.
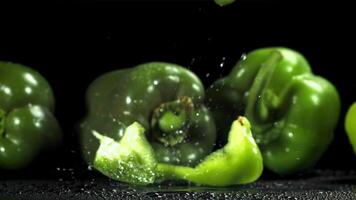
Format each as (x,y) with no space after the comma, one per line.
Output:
(27,125)
(164,99)
(293,113)
(350,125)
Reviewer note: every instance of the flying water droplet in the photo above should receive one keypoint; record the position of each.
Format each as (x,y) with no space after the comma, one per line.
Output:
(222,62)
(243,56)
(192,62)
(90,168)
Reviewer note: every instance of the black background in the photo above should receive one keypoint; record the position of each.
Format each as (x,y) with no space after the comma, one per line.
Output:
(73,42)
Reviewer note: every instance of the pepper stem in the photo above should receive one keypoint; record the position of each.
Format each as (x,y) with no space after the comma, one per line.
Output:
(170,121)
(2,122)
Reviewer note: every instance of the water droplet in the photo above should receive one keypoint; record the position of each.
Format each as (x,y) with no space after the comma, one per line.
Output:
(290,134)
(243,56)
(201,150)
(222,62)
(128,100)
(207,75)
(166,159)
(192,61)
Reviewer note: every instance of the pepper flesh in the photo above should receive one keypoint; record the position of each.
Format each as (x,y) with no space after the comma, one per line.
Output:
(27,125)
(293,113)
(238,162)
(132,159)
(350,125)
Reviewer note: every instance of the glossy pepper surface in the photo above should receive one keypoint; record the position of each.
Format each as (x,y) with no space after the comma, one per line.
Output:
(350,125)
(293,112)
(27,125)
(146,116)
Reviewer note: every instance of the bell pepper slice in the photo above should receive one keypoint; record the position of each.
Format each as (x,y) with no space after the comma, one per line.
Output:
(132,159)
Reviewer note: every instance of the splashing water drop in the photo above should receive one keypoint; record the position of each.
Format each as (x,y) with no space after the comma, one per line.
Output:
(243,56)
(192,62)
(222,62)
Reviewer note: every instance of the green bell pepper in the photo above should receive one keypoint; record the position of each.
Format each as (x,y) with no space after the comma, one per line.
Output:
(350,125)
(293,113)
(224,2)
(167,101)
(27,125)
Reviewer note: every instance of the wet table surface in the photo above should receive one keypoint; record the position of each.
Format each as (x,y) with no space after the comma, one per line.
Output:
(317,185)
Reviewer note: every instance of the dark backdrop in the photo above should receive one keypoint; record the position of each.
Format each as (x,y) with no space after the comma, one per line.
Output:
(73,42)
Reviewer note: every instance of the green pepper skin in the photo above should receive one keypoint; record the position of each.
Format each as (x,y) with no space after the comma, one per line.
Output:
(293,113)
(27,125)
(119,98)
(350,125)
